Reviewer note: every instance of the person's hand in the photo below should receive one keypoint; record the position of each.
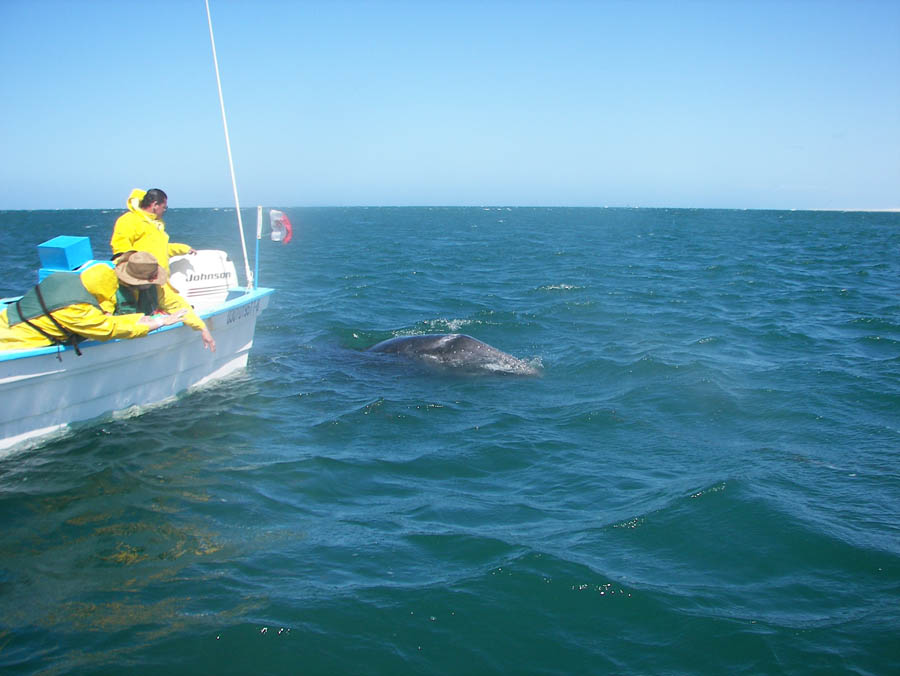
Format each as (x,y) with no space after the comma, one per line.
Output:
(168,320)
(193,252)
(209,342)
(159,320)
(153,321)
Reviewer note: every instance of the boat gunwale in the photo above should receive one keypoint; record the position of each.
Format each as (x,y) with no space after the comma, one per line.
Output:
(238,301)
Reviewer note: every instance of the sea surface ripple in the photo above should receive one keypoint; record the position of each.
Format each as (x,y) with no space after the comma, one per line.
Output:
(703,479)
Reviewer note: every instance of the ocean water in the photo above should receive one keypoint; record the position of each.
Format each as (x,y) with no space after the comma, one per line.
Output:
(703,480)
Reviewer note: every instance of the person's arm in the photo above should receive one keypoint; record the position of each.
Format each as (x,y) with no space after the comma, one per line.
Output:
(172,302)
(89,322)
(157,321)
(177,249)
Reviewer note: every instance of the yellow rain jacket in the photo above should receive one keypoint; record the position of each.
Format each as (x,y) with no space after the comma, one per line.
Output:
(170,302)
(136,230)
(82,319)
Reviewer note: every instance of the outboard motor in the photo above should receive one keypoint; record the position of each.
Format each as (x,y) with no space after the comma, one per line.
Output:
(204,278)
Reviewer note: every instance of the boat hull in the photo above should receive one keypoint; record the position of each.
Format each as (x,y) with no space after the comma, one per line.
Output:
(43,394)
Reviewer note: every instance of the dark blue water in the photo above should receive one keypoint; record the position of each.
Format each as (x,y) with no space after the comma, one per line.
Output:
(704,480)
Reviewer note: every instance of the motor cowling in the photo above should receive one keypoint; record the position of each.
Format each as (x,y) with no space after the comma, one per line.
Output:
(203,278)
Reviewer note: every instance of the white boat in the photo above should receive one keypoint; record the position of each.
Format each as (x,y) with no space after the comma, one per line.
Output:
(45,390)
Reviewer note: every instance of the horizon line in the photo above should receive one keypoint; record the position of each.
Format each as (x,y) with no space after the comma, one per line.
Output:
(487,206)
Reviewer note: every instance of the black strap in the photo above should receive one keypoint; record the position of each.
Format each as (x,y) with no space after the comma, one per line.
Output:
(70,338)
(53,340)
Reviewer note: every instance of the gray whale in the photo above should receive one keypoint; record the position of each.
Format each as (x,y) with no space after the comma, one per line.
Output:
(455,351)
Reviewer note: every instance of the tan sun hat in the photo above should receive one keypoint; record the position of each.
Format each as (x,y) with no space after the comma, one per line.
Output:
(140,267)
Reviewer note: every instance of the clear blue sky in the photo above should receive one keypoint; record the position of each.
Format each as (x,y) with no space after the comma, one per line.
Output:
(684,104)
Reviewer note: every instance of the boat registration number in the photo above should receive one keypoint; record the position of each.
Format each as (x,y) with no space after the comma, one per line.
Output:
(240,313)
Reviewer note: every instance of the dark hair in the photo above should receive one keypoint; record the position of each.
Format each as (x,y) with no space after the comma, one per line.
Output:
(153,195)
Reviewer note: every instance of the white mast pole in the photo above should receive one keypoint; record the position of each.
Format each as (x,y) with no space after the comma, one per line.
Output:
(237,202)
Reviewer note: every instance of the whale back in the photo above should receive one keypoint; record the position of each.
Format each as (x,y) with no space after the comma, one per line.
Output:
(455,351)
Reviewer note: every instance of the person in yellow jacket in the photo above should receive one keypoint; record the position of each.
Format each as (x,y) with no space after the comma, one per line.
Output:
(67,307)
(142,228)
(143,289)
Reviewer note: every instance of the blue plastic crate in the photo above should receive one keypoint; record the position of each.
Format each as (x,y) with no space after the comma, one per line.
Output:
(43,273)
(65,252)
